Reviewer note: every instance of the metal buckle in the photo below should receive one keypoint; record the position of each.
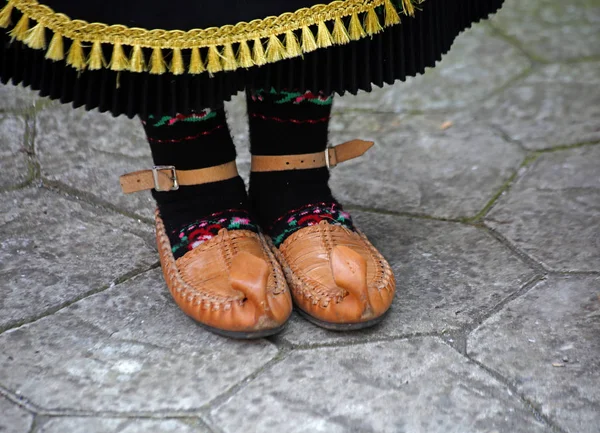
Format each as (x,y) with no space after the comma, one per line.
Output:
(327,162)
(173,178)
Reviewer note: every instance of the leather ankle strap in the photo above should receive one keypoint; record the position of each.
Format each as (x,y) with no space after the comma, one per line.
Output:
(167,178)
(329,158)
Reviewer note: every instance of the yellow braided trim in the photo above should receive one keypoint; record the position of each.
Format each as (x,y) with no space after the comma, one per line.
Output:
(272,39)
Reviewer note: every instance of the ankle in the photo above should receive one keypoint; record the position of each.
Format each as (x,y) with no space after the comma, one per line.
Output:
(273,194)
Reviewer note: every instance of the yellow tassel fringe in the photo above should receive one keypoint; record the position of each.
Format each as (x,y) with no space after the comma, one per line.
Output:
(137,62)
(118,61)
(308,40)
(340,34)
(356,30)
(196,63)
(351,23)
(258,53)
(275,50)
(292,46)
(5,14)
(157,62)
(56,50)
(36,37)
(372,25)
(245,55)
(214,60)
(391,14)
(408,8)
(76,57)
(177,65)
(229,60)
(19,32)
(324,38)
(96,60)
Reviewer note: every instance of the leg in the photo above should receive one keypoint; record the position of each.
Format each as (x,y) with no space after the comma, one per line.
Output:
(216,262)
(291,124)
(197,141)
(337,278)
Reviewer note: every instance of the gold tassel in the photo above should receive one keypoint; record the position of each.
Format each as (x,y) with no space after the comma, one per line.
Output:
(258,53)
(5,14)
(196,63)
(308,40)
(391,14)
(340,34)
(408,8)
(356,30)
(157,62)
(56,51)
(96,60)
(324,38)
(137,62)
(214,61)
(177,64)
(36,37)
(229,62)
(292,46)
(76,56)
(19,32)
(245,55)
(275,50)
(118,62)
(372,24)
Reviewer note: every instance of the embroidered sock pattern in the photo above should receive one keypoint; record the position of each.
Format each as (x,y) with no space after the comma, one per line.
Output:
(205,229)
(307,216)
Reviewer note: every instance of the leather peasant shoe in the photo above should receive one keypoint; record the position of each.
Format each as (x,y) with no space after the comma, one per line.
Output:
(231,284)
(338,279)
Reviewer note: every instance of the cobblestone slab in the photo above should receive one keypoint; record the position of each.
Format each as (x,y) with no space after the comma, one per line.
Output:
(448,275)
(88,151)
(14,169)
(19,99)
(407,386)
(547,344)
(553,30)
(418,167)
(129,348)
(478,64)
(115,425)
(13,419)
(553,212)
(54,249)
(557,105)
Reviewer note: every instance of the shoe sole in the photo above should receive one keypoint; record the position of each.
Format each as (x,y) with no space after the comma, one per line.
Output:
(341,327)
(240,335)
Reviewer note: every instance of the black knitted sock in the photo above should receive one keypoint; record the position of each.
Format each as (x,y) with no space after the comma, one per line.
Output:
(290,123)
(194,214)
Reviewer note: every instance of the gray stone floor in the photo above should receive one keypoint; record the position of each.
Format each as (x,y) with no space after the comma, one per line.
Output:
(483,192)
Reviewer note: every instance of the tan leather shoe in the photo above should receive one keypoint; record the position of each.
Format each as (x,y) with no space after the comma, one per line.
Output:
(338,279)
(231,284)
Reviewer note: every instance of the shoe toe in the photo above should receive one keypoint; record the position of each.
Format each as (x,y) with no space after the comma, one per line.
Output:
(230,283)
(337,276)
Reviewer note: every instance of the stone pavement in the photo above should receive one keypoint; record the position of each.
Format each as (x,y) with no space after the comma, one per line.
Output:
(483,192)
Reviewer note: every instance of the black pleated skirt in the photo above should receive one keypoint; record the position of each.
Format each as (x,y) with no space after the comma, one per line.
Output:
(396,53)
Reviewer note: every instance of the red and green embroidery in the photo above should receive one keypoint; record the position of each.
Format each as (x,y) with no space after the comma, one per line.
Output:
(200,116)
(286,97)
(207,228)
(307,216)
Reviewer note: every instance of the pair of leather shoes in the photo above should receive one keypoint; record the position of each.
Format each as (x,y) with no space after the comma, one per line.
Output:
(238,284)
